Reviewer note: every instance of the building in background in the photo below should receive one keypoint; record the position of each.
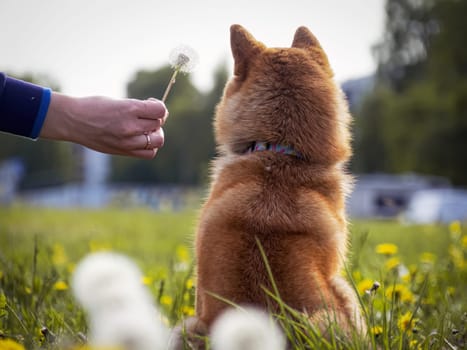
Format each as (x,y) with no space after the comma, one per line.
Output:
(388,196)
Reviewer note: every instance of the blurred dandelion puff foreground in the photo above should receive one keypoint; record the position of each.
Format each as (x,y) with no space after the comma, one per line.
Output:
(246,329)
(182,59)
(119,308)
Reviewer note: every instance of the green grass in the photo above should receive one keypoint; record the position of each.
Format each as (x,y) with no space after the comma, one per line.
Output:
(421,303)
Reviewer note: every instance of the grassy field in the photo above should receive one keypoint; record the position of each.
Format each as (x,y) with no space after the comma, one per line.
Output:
(422,272)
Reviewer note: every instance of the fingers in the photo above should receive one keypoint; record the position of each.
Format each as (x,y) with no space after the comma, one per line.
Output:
(148,140)
(152,109)
(144,146)
(144,154)
(143,135)
(144,125)
(153,139)
(163,119)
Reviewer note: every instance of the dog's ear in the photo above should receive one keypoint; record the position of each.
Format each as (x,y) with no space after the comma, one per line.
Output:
(244,47)
(304,39)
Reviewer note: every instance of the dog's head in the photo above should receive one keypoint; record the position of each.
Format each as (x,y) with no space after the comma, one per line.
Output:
(283,96)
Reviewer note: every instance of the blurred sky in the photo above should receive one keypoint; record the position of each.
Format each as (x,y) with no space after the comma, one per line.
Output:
(92,47)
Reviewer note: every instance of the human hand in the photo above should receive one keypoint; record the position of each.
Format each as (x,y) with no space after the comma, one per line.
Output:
(127,127)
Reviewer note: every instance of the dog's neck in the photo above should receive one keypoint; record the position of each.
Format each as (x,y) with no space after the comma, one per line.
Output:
(274,147)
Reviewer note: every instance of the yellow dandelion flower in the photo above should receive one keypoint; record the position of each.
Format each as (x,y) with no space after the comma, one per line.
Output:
(386,249)
(59,256)
(39,335)
(406,278)
(183,254)
(188,311)
(377,330)
(455,229)
(9,344)
(28,290)
(407,322)
(428,258)
(60,285)
(364,285)
(166,300)
(146,280)
(189,283)
(400,292)
(464,242)
(392,263)
(457,256)
(407,296)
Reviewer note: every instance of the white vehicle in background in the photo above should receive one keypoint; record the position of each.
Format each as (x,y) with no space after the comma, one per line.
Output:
(437,205)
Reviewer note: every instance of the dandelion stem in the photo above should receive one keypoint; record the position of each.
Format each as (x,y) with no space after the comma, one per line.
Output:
(171,83)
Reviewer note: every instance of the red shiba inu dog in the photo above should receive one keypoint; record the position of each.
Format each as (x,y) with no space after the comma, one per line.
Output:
(279,184)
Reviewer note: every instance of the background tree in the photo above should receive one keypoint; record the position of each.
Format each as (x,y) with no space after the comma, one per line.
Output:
(416,119)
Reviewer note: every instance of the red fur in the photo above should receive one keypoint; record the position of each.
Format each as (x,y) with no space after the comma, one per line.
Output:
(293,207)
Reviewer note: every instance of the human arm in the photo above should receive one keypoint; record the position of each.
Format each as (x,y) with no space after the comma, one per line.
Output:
(114,126)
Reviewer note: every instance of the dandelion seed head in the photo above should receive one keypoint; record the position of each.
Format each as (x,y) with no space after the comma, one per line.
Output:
(183,58)
(375,286)
(107,280)
(247,329)
(120,309)
(133,327)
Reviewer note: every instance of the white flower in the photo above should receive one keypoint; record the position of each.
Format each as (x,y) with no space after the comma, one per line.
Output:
(133,327)
(183,58)
(246,329)
(107,278)
(120,309)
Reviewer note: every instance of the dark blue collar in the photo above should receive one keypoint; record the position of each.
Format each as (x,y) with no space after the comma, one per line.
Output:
(266,146)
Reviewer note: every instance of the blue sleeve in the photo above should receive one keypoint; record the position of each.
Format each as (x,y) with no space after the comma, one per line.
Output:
(23,106)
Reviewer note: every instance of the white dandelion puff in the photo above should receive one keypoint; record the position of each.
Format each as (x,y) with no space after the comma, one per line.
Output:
(119,308)
(182,59)
(107,278)
(246,329)
(132,327)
